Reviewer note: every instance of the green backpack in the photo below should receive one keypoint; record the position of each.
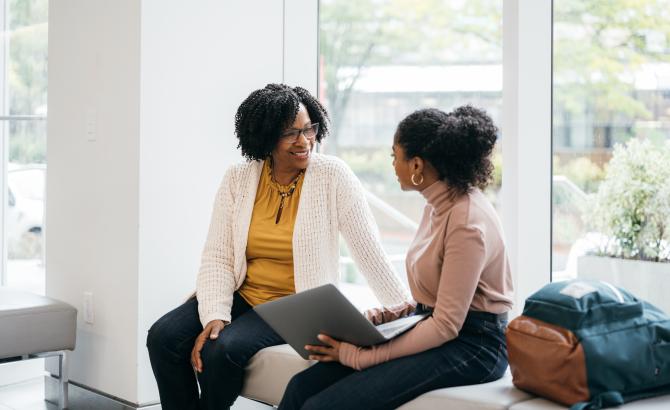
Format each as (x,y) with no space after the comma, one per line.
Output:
(589,345)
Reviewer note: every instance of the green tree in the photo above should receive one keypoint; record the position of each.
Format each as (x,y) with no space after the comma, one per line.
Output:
(599,46)
(27,78)
(360,33)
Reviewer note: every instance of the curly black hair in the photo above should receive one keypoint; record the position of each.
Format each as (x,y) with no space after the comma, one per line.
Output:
(457,144)
(265,113)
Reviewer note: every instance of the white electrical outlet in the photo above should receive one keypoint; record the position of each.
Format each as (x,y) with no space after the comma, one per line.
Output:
(88,307)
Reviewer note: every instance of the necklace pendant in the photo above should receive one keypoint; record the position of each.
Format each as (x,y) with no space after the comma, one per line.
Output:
(278,216)
(279,211)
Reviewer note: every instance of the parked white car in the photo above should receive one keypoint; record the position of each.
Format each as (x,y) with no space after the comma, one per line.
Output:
(25,211)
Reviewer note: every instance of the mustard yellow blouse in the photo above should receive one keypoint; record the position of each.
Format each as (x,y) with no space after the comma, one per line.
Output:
(269,244)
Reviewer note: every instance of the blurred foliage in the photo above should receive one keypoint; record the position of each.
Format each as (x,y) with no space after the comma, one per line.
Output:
(598,48)
(496,176)
(586,174)
(27,78)
(374,166)
(359,33)
(632,205)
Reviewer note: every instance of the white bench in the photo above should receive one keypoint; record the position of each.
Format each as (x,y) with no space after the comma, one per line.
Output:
(270,370)
(34,326)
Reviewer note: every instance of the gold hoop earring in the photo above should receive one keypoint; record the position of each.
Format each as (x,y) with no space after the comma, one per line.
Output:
(416,183)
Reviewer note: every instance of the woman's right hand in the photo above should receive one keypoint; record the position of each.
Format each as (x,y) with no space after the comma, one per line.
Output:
(211,331)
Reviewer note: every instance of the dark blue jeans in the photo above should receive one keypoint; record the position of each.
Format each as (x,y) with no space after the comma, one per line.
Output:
(477,355)
(171,339)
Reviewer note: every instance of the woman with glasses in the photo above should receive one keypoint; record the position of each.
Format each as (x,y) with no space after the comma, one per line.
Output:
(457,269)
(274,231)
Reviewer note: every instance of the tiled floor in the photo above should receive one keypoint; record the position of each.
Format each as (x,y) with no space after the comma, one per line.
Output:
(29,395)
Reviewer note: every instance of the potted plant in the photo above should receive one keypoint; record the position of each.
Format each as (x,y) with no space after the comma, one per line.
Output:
(631,214)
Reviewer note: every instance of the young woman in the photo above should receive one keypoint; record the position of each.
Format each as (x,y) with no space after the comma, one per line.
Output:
(457,269)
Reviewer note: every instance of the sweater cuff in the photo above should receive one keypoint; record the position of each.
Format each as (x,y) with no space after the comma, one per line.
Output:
(349,355)
(215,316)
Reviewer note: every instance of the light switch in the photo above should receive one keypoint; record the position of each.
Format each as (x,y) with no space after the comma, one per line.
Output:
(91,125)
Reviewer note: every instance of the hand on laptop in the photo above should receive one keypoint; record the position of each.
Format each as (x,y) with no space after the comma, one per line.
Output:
(328,353)
(211,331)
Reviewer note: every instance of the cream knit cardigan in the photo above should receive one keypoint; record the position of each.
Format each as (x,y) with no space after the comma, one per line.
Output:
(332,201)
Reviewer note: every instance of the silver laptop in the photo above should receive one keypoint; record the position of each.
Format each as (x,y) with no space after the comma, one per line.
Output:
(299,318)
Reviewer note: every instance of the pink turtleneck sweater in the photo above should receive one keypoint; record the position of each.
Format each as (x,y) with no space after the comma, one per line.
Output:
(456,263)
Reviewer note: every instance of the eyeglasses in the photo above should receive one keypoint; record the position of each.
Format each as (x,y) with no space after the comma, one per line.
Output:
(290,137)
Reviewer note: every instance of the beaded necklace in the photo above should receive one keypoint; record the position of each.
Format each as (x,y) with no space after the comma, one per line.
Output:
(284,191)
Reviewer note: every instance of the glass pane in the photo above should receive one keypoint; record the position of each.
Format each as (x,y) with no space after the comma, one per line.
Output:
(382,59)
(611,130)
(25,85)
(28,48)
(25,216)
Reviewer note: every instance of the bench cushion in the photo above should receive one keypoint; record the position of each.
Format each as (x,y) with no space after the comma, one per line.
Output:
(270,370)
(32,323)
(497,395)
(656,403)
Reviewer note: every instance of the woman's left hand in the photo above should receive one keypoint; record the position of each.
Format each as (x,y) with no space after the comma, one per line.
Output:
(328,353)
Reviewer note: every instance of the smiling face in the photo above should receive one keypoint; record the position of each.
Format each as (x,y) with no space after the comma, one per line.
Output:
(292,156)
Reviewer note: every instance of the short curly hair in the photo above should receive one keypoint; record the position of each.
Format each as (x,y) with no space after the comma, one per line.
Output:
(457,144)
(265,113)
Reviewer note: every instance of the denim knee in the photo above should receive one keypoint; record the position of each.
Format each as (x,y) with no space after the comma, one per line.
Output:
(219,353)
(164,343)
(293,395)
(314,403)
(153,337)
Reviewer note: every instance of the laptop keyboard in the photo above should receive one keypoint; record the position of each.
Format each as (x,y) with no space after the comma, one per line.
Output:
(390,331)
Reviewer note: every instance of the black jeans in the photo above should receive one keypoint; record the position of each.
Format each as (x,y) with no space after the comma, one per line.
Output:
(477,355)
(171,340)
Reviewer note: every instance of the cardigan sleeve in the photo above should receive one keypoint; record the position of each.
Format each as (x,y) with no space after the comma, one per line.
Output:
(357,226)
(216,281)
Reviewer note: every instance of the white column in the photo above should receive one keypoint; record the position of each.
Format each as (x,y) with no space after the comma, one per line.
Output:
(142,97)
(526,142)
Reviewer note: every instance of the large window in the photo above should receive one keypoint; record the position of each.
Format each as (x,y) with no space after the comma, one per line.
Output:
(380,60)
(23,127)
(611,127)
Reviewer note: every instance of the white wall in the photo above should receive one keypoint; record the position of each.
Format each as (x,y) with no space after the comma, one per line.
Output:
(198,64)
(92,187)
(157,82)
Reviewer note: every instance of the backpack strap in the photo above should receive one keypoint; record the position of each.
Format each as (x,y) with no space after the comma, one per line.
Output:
(614,398)
(645,394)
(600,401)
